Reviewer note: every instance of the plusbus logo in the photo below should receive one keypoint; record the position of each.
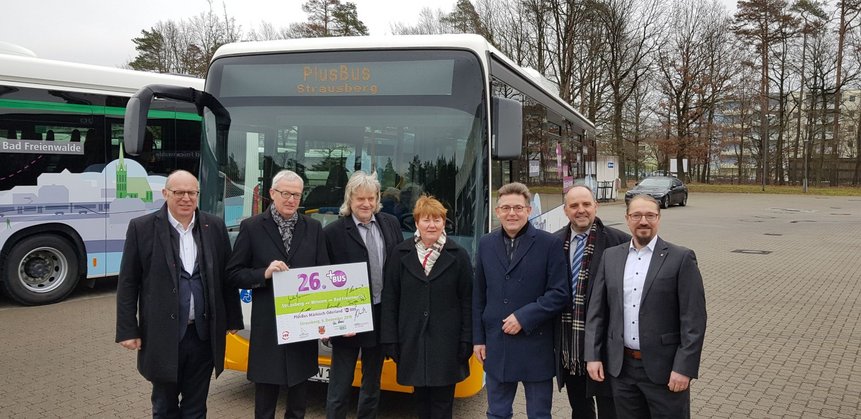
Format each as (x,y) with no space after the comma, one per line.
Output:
(338,278)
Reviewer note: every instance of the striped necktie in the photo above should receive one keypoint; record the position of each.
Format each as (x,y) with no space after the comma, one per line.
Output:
(577,261)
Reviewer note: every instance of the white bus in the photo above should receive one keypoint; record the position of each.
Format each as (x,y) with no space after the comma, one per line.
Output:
(66,189)
(443,115)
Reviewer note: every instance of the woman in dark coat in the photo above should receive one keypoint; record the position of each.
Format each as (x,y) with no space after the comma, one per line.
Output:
(426,311)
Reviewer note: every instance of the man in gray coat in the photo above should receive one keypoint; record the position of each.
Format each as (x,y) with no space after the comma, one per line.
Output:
(647,318)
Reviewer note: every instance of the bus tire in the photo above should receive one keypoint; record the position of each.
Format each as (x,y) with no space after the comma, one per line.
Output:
(40,269)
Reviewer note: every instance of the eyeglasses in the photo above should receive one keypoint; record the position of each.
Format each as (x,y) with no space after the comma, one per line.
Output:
(288,195)
(183,194)
(649,217)
(507,208)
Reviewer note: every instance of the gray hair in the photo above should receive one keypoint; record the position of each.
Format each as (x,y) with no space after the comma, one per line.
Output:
(289,176)
(515,188)
(360,180)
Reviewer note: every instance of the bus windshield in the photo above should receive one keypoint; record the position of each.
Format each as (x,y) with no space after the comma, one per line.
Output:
(416,118)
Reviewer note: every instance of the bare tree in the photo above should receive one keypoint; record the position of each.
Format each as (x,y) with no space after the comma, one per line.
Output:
(430,23)
(634,30)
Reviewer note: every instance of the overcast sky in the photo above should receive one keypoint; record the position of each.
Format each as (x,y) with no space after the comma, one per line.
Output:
(100,31)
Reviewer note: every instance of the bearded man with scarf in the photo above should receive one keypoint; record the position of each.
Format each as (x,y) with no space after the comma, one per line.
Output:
(584,240)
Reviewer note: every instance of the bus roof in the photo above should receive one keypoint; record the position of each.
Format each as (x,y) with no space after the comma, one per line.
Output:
(40,73)
(472,42)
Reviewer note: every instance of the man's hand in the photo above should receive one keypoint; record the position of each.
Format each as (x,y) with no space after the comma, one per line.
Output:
(131,344)
(510,325)
(275,266)
(678,382)
(595,370)
(480,352)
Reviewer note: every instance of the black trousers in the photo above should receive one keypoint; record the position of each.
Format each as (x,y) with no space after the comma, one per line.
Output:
(638,397)
(341,381)
(194,371)
(582,404)
(434,402)
(266,400)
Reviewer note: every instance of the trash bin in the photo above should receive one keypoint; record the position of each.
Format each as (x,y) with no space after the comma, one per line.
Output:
(605,191)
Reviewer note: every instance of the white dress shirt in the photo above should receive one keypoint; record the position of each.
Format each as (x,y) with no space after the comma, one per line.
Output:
(636,268)
(187,251)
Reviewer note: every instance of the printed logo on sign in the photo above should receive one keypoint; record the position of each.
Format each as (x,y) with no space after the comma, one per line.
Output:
(285,336)
(338,278)
(321,330)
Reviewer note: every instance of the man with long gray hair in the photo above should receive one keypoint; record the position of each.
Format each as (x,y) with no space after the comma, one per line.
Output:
(362,234)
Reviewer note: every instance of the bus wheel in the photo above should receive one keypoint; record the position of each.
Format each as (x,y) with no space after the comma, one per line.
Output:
(41,269)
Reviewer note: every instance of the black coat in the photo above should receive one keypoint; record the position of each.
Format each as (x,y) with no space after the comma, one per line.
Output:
(258,244)
(345,245)
(429,317)
(605,237)
(147,296)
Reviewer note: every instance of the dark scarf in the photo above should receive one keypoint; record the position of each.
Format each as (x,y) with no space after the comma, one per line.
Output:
(574,320)
(285,226)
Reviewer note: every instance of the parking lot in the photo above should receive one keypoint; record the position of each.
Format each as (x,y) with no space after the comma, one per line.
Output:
(783,290)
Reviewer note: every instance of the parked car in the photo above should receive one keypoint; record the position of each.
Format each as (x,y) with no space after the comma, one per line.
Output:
(667,190)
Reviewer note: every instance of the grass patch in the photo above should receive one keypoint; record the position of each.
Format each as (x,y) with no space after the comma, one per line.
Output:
(750,188)
(775,189)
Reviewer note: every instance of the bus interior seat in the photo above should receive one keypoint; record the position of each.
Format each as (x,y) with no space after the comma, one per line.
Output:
(332,193)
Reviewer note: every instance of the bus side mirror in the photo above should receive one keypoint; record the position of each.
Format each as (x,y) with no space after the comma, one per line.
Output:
(137,110)
(507,129)
(134,123)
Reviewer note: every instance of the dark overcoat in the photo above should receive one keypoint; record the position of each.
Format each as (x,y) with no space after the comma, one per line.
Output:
(672,317)
(533,286)
(428,316)
(605,237)
(147,296)
(345,245)
(257,245)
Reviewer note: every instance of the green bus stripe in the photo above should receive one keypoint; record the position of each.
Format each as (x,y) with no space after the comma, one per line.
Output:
(321,300)
(91,109)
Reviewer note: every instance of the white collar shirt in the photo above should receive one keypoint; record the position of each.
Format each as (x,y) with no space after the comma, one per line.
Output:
(636,268)
(187,250)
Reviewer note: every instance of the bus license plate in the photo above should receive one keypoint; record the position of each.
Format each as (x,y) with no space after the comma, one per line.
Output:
(322,375)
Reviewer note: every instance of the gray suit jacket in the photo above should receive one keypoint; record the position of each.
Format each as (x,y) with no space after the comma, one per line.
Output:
(672,313)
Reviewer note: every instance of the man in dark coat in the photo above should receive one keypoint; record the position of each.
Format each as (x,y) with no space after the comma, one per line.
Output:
(362,234)
(521,286)
(276,240)
(647,319)
(583,240)
(174,305)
